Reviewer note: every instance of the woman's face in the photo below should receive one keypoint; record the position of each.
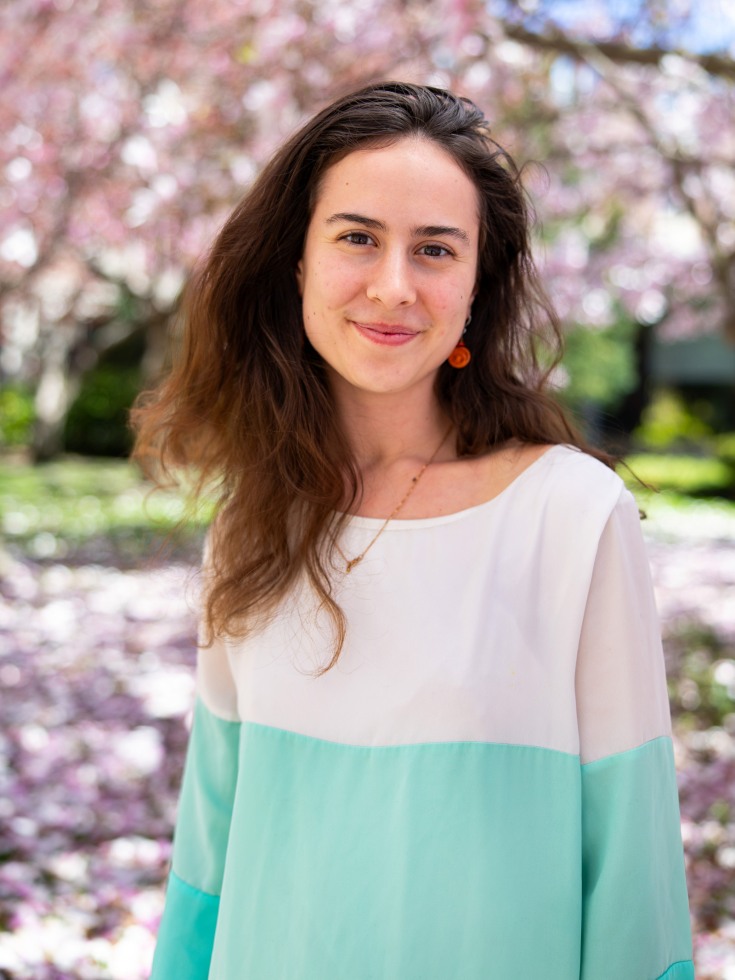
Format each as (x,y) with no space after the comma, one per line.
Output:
(388,272)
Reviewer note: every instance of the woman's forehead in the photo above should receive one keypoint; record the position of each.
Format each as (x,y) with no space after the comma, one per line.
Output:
(413,178)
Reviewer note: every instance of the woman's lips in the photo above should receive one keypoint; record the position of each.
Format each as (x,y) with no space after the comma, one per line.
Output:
(389,335)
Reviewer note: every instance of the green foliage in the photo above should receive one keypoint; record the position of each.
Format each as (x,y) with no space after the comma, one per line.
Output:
(702,687)
(97,423)
(692,475)
(600,364)
(697,461)
(668,422)
(92,509)
(16,415)
(725,447)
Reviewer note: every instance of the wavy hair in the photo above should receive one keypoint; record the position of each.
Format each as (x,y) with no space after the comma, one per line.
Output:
(247,404)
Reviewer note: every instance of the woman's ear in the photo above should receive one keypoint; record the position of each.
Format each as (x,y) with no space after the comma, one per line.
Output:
(300,276)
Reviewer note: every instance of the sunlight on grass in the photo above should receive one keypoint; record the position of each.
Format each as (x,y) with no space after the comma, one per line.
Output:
(671,512)
(703,476)
(51,507)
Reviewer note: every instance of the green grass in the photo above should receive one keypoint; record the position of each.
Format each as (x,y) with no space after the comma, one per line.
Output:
(56,509)
(705,476)
(679,501)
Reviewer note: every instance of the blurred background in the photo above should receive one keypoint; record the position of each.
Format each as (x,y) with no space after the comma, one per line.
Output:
(128,130)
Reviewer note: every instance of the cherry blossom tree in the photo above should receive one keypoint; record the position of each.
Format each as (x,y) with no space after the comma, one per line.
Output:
(131,129)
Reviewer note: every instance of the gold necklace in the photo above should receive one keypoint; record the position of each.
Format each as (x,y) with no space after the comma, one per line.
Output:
(351,562)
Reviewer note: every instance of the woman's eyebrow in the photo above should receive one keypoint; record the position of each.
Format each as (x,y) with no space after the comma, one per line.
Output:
(432,231)
(425,231)
(357,219)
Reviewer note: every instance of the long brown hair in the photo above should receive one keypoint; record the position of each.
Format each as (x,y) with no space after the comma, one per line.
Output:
(247,404)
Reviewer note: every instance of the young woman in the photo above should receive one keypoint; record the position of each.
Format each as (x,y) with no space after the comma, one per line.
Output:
(432,737)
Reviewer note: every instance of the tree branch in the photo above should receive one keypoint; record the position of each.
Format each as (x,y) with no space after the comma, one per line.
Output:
(616,51)
(721,260)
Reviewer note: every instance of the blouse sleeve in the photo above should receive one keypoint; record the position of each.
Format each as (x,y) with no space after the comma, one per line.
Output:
(186,934)
(635,907)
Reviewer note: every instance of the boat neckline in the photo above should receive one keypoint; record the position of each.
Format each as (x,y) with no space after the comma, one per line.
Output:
(406,523)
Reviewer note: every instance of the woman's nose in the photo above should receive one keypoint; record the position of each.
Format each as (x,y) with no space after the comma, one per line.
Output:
(391,282)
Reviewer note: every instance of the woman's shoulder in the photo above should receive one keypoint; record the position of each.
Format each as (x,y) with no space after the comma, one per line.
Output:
(562,474)
(556,466)
(577,467)
(582,485)
(558,504)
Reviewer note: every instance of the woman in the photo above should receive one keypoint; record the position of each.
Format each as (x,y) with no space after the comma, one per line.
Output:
(432,737)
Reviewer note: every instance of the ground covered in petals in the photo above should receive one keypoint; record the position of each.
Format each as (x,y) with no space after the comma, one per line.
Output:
(95,692)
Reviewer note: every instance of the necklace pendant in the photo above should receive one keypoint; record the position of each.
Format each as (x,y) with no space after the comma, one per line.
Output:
(352,562)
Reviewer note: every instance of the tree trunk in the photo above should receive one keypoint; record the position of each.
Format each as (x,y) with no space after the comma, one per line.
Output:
(58,386)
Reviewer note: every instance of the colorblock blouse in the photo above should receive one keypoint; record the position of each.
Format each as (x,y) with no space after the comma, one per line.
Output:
(482,787)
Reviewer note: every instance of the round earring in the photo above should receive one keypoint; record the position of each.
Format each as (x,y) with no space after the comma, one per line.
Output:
(460,356)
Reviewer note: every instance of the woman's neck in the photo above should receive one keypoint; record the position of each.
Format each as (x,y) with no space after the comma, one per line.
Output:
(384,429)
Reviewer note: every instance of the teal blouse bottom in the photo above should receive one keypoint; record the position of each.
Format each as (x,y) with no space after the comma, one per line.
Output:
(301,859)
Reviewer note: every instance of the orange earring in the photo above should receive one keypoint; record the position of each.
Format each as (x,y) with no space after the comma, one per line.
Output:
(461,356)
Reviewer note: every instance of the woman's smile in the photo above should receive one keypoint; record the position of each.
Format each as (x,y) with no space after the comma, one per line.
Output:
(384,333)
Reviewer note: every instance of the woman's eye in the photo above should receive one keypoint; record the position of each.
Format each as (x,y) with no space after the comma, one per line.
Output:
(435,251)
(357,238)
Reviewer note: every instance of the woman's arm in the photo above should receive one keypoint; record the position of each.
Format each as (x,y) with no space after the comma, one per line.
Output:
(186,934)
(635,908)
